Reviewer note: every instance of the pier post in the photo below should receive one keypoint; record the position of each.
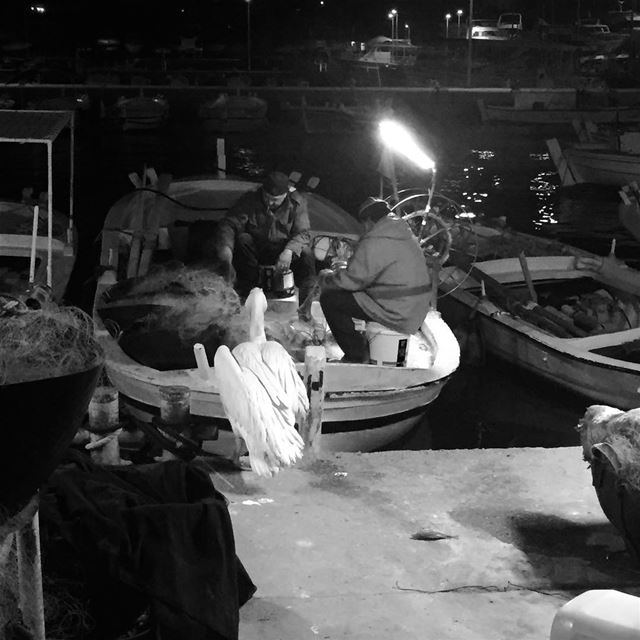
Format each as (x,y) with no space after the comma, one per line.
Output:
(20,543)
(314,365)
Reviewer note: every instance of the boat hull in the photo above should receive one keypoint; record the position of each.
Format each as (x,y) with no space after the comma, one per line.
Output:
(347,435)
(603,167)
(586,366)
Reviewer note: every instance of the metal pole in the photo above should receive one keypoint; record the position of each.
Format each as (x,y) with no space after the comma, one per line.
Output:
(50,217)
(470,40)
(248,35)
(71,177)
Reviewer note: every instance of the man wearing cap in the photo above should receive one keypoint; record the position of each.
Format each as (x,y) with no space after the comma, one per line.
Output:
(386,280)
(267,226)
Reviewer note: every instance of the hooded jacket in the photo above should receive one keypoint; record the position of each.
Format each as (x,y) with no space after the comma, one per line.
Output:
(286,227)
(388,276)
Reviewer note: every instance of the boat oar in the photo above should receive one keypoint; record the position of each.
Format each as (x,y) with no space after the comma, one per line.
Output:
(527,276)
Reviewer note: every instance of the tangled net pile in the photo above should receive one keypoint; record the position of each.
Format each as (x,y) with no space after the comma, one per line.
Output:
(45,343)
(192,299)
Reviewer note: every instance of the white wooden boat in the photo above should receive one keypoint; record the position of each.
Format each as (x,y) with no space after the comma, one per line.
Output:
(234,113)
(554,106)
(37,246)
(596,163)
(137,113)
(596,357)
(365,406)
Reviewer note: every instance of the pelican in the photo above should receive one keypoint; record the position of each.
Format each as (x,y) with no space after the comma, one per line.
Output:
(262,395)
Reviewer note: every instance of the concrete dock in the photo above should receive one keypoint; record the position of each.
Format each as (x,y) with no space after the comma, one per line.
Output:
(329,544)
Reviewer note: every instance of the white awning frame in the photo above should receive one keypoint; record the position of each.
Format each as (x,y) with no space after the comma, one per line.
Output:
(43,127)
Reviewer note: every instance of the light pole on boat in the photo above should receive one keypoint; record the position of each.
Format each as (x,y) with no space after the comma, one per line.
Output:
(459,13)
(447,17)
(408,28)
(248,34)
(399,139)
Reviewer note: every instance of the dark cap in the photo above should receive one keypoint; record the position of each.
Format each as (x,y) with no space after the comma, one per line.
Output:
(276,183)
(374,209)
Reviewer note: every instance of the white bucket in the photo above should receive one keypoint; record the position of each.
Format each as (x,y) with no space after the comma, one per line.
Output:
(386,346)
(596,615)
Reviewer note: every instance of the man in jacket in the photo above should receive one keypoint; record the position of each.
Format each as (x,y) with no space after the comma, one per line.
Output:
(267,226)
(386,281)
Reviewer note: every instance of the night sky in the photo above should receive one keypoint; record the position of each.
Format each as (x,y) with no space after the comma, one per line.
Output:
(73,23)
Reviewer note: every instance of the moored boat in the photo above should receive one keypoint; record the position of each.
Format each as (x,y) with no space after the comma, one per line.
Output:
(564,314)
(138,113)
(382,51)
(234,113)
(596,163)
(556,106)
(365,406)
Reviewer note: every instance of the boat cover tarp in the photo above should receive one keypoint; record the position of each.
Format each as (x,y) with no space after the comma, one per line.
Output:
(32,126)
(156,535)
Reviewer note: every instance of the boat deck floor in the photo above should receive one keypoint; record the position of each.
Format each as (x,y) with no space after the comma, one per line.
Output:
(329,544)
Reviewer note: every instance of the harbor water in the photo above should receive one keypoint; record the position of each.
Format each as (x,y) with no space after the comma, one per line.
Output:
(490,169)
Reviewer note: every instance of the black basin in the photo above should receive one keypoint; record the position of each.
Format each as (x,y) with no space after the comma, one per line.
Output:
(620,501)
(39,420)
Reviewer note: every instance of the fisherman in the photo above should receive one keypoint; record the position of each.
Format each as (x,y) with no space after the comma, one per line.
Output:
(267,226)
(386,280)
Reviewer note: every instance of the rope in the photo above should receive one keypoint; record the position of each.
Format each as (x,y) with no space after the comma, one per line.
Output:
(178,202)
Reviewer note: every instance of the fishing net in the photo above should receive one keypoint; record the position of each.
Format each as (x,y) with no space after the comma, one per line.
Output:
(627,448)
(44,343)
(188,300)
(65,614)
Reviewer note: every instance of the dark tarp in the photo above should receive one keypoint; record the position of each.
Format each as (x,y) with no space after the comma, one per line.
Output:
(155,536)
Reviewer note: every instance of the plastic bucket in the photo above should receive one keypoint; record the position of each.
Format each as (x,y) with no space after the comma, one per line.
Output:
(386,346)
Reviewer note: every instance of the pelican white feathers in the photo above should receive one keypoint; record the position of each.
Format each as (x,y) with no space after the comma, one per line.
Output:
(262,394)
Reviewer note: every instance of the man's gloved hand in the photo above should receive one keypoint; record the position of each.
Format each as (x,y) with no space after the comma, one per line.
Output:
(284,260)
(324,275)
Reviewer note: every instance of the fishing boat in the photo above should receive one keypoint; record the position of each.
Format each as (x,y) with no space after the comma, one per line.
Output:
(334,117)
(37,242)
(598,163)
(366,406)
(561,313)
(234,113)
(556,106)
(139,113)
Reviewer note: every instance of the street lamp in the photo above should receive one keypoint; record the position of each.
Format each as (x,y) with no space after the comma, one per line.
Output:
(408,28)
(248,34)
(393,15)
(447,17)
(459,14)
